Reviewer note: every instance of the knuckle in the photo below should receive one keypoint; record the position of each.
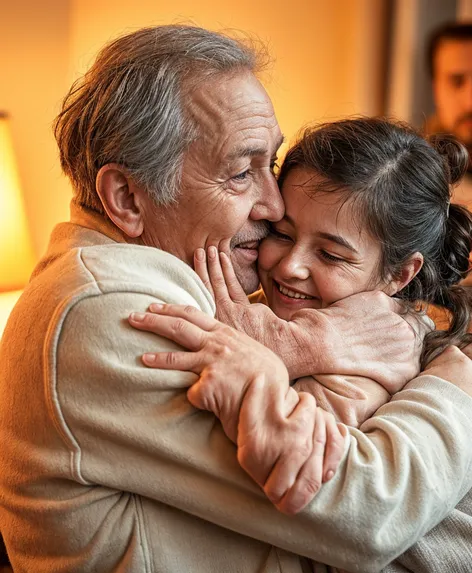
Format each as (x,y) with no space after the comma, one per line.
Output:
(308,401)
(246,459)
(337,440)
(378,296)
(298,446)
(178,326)
(452,351)
(310,485)
(189,309)
(274,491)
(150,319)
(171,359)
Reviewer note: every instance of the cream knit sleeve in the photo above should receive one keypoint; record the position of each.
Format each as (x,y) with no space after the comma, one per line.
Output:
(130,428)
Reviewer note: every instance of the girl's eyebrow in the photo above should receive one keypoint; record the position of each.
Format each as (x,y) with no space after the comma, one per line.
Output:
(328,236)
(339,240)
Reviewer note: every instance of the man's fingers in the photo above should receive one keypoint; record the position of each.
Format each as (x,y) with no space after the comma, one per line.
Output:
(235,289)
(309,479)
(335,446)
(294,453)
(200,266)
(174,328)
(187,312)
(184,361)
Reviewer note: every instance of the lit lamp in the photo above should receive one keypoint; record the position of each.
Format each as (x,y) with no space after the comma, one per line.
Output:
(16,253)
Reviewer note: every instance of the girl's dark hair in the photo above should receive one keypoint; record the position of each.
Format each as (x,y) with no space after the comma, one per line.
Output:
(401,186)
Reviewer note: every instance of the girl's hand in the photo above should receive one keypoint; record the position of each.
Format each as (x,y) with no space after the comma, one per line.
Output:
(286,444)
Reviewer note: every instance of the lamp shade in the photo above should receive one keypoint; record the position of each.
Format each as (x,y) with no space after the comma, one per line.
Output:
(16,254)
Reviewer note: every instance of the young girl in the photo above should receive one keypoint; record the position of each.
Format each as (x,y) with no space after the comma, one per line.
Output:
(368,206)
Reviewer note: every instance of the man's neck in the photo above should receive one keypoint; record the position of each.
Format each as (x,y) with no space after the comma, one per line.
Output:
(92,219)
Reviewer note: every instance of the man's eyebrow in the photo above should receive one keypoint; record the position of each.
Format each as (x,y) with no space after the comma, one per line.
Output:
(328,236)
(253,151)
(247,151)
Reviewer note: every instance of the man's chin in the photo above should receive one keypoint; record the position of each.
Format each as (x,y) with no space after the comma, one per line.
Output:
(246,274)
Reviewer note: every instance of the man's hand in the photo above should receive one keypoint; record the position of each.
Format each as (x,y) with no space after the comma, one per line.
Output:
(286,444)
(367,334)
(455,366)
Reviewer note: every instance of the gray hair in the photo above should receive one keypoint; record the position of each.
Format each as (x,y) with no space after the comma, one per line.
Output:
(130,107)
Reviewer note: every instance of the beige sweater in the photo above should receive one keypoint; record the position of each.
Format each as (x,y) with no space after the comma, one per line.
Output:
(106,467)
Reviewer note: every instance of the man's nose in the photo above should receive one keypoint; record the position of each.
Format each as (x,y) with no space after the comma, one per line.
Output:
(270,205)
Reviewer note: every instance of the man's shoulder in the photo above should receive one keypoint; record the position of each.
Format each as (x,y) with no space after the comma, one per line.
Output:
(99,269)
(136,268)
(133,272)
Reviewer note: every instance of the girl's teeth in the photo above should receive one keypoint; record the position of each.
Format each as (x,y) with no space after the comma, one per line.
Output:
(291,293)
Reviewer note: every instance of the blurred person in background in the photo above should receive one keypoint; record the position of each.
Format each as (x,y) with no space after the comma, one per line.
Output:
(450,64)
(449,60)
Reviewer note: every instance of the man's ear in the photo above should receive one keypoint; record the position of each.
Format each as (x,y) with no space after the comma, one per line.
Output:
(409,271)
(121,199)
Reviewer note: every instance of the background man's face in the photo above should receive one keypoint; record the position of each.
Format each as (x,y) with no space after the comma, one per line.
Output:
(228,186)
(452,85)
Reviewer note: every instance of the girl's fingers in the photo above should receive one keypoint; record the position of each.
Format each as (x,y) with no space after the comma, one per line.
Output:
(174,328)
(235,290)
(200,266)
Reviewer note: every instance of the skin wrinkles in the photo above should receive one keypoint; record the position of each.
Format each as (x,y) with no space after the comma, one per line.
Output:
(318,249)
(228,193)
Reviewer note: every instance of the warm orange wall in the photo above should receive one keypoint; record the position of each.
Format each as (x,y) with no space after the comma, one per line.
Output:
(326,63)
(317,45)
(34,59)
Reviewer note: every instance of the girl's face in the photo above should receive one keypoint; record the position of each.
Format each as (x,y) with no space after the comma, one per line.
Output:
(318,253)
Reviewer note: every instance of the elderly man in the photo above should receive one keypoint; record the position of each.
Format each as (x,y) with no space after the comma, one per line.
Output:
(169,141)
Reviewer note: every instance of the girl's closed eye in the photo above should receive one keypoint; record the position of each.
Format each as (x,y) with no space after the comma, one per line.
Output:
(331,258)
(278,234)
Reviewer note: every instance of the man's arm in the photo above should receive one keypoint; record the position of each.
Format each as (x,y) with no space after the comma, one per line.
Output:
(351,399)
(398,478)
(447,547)
(367,334)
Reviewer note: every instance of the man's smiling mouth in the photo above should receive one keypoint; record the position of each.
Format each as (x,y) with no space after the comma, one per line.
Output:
(249,250)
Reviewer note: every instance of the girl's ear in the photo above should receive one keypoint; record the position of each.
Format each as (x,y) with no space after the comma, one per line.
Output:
(409,271)
(121,199)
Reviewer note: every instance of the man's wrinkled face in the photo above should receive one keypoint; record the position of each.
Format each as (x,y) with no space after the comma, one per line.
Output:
(228,185)
(452,85)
